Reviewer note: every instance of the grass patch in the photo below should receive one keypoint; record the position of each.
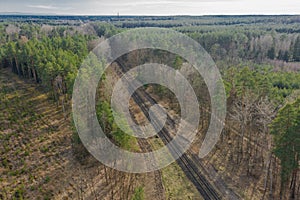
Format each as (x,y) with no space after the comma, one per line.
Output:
(138,194)
(176,184)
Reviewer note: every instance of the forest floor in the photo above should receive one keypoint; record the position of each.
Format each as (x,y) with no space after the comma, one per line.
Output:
(39,159)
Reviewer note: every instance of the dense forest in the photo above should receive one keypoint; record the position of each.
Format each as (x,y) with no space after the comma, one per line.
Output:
(258,57)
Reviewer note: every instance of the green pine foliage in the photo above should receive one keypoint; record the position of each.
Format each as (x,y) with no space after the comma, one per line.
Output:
(138,194)
(109,126)
(286,131)
(296,51)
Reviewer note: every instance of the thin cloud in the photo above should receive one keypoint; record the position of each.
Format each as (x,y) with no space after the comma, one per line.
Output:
(48,7)
(161,2)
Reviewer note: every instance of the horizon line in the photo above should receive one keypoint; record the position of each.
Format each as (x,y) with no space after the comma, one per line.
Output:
(144,15)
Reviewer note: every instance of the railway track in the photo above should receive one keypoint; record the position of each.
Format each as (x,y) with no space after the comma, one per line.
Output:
(186,161)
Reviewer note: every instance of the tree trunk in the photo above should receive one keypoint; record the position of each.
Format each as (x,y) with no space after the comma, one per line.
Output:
(293,184)
(17,65)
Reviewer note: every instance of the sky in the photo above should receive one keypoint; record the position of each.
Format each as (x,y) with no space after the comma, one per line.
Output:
(151,7)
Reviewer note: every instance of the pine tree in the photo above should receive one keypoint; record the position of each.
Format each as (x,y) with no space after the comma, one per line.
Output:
(296,52)
(286,131)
